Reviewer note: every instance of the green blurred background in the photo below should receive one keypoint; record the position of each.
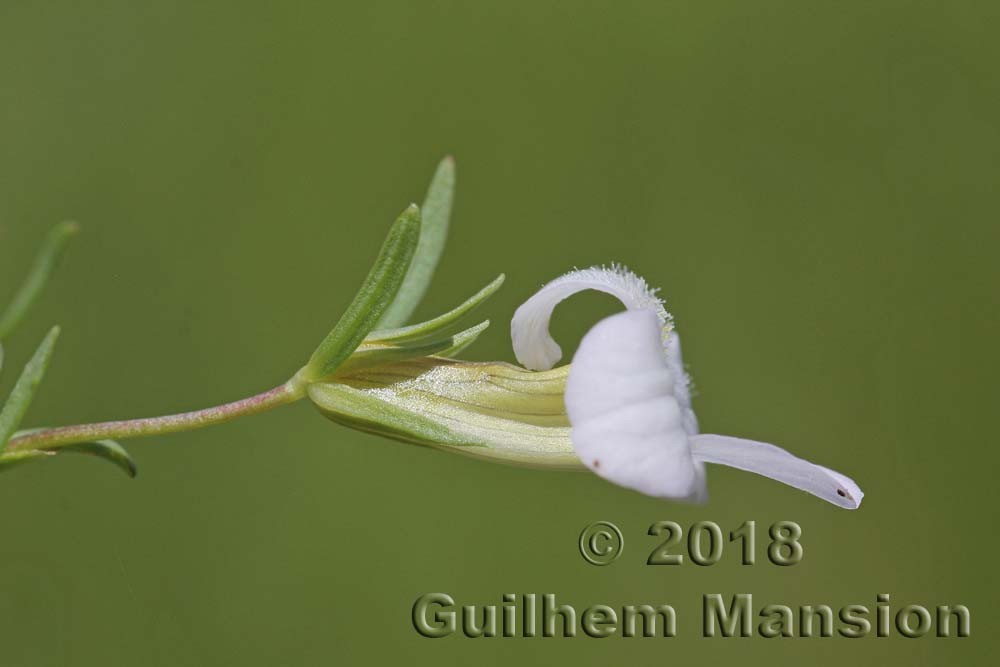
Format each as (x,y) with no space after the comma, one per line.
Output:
(814,185)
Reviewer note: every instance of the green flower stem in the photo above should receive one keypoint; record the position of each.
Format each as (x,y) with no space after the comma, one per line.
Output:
(50,438)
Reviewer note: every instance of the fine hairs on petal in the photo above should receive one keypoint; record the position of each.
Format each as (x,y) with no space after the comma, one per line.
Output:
(624,280)
(529,328)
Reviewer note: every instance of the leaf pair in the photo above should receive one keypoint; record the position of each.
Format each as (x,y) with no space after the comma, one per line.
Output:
(17,404)
(428,338)
(392,290)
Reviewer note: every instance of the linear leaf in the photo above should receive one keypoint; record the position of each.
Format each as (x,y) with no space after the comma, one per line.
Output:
(377,292)
(370,355)
(436,213)
(24,391)
(441,322)
(464,339)
(45,264)
(109,450)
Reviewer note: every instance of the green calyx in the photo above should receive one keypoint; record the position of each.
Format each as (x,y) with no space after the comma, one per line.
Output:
(488,410)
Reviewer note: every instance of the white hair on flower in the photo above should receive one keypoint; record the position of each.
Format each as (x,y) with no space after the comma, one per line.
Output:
(529,328)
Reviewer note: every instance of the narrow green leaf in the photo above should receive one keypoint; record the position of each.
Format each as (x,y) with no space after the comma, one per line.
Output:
(109,450)
(377,292)
(436,213)
(24,391)
(464,339)
(45,264)
(440,323)
(369,355)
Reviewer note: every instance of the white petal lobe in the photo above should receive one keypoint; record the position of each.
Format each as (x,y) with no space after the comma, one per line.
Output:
(627,425)
(529,329)
(773,462)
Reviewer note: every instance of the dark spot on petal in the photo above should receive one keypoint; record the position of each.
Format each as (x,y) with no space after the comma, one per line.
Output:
(597,464)
(840,492)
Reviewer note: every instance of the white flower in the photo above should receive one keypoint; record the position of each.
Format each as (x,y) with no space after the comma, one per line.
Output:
(629,404)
